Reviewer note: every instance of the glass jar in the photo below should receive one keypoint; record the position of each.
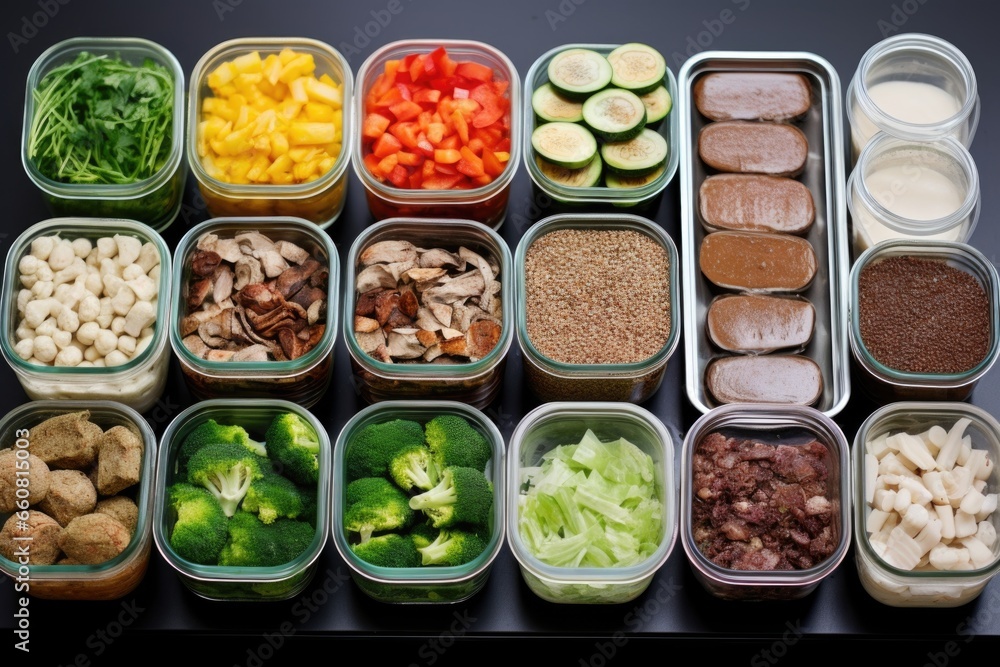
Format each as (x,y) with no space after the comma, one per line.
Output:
(487,203)
(424,584)
(553,197)
(771,425)
(140,380)
(154,201)
(554,424)
(319,200)
(221,582)
(303,379)
(553,380)
(903,189)
(885,384)
(913,86)
(924,586)
(476,382)
(119,576)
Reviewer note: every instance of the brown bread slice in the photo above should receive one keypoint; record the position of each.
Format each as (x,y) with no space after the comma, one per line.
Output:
(753,147)
(757,262)
(756,203)
(759,323)
(752,95)
(768,378)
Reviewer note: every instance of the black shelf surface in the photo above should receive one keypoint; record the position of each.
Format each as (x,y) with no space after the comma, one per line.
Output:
(161,615)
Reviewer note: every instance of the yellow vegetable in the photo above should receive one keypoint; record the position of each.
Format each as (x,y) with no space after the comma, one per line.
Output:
(270,120)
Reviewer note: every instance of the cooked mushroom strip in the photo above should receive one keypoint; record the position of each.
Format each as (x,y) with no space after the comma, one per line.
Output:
(479,262)
(388,252)
(291,252)
(254,242)
(370,340)
(374,277)
(440,258)
(404,345)
(272,262)
(222,283)
(248,272)
(465,285)
(196,346)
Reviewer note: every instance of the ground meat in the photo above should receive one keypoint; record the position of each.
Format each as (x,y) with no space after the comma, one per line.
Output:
(759,506)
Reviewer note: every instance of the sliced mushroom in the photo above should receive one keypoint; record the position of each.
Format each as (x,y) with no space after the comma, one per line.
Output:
(408,303)
(222,283)
(368,341)
(272,262)
(291,252)
(397,269)
(375,277)
(388,252)
(404,346)
(478,261)
(248,272)
(252,353)
(481,338)
(253,243)
(220,355)
(442,313)
(316,311)
(425,320)
(365,324)
(211,333)
(426,338)
(229,250)
(466,285)
(440,258)
(204,262)
(196,346)
(385,303)
(382,354)
(423,275)
(197,291)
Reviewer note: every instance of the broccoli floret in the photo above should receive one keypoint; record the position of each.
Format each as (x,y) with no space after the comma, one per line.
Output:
(413,466)
(389,550)
(423,534)
(374,504)
(452,547)
(454,442)
(273,496)
(211,432)
(293,443)
(200,531)
(226,470)
(253,543)
(373,446)
(463,495)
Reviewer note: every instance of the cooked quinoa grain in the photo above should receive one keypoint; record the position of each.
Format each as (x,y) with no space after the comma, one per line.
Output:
(597,296)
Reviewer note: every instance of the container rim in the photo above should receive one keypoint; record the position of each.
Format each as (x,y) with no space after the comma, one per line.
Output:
(600,221)
(266,190)
(125,191)
(260,369)
(400,196)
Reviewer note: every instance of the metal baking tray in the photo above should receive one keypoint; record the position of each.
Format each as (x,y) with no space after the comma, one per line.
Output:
(823,175)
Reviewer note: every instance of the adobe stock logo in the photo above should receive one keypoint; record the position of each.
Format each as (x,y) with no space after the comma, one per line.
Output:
(31,24)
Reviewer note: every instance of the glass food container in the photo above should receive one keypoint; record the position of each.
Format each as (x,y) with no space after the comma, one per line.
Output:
(553,380)
(137,381)
(924,586)
(486,203)
(114,578)
(154,200)
(552,197)
(473,381)
(910,189)
(303,379)
(552,425)
(319,198)
(913,86)
(431,583)
(886,384)
(245,583)
(771,425)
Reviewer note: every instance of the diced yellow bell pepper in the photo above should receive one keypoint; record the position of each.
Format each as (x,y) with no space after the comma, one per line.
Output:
(302,65)
(248,62)
(321,92)
(319,113)
(311,133)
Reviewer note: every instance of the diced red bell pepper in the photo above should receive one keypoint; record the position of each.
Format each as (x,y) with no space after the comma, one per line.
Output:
(426,96)
(409,159)
(474,71)
(441,181)
(447,156)
(461,127)
(374,125)
(386,145)
(406,132)
(493,106)
(491,165)
(399,176)
(470,164)
(406,110)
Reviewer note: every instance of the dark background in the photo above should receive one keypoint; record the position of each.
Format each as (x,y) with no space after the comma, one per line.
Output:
(838,620)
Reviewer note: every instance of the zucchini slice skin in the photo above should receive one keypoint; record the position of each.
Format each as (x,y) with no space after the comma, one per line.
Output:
(620,182)
(578,73)
(586,176)
(658,105)
(637,67)
(551,106)
(639,156)
(614,114)
(566,144)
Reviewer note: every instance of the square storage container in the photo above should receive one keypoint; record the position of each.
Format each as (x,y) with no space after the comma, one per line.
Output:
(535,440)
(63,579)
(422,583)
(485,202)
(121,353)
(316,194)
(809,458)
(214,343)
(945,578)
(152,195)
(245,582)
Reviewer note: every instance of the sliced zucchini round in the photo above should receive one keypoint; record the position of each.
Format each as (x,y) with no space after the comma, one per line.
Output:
(637,67)
(586,176)
(578,73)
(639,156)
(551,106)
(565,144)
(658,105)
(618,181)
(614,114)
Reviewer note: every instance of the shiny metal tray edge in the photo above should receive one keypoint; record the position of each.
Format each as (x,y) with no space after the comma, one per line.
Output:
(830,345)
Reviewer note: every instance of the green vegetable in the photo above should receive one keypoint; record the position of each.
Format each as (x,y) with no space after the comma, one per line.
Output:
(389,550)
(200,531)
(423,534)
(454,442)
(413,466)
(210,432)
(226,470)
(373,446)
(272,497)
(374,504)
(292,443)
(99,119)
(452,547)
(253,543)
(463,495)
(593,504)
